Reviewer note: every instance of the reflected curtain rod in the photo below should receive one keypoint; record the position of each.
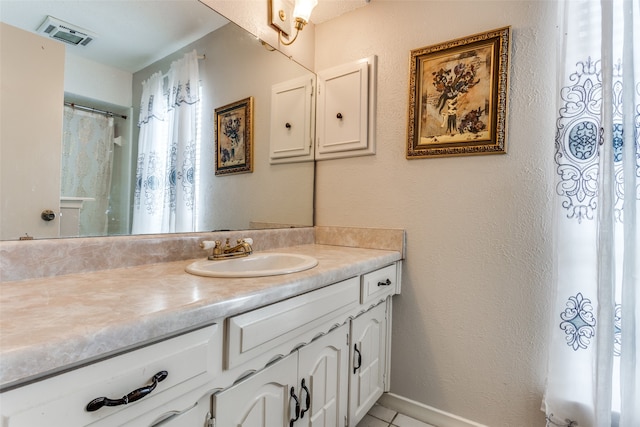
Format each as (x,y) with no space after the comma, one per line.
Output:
(94,110)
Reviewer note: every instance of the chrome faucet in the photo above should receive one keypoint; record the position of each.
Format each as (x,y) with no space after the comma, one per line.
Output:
(242,248)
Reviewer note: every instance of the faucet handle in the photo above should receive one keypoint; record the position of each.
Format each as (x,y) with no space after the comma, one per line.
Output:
(215,244)
(208,244)
(248,240)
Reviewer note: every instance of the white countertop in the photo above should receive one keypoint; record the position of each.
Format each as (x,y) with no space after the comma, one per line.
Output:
(48,325)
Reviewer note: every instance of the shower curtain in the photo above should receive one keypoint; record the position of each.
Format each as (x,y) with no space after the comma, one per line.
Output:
(87,161)
(164,198)
(593,377)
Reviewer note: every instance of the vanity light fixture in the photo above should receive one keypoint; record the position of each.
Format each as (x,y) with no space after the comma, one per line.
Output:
(283,10)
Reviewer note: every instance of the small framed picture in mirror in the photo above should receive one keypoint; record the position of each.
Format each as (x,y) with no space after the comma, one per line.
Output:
(234,137)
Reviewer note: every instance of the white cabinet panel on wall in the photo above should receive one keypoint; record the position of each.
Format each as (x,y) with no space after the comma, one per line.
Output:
(292,125)
(346,110)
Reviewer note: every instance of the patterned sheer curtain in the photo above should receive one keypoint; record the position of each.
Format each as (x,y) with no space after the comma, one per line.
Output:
(87,161)
(164,198)
(593,372)
(184,134)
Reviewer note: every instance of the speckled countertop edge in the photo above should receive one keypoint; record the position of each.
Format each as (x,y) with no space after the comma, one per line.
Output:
(48,325)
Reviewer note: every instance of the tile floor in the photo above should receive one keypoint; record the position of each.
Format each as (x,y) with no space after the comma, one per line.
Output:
(379,416)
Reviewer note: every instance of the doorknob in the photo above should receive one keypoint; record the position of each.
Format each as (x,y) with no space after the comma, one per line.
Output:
(48,215)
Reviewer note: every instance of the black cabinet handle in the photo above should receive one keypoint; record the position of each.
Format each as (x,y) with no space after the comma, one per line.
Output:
(307,399)
(339,116)
(387,283)
(293,420)
(355,368)
(287,125)
(138,394)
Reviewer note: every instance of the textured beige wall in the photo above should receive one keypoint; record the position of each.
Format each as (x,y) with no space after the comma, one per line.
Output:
(470,326)
(90,79)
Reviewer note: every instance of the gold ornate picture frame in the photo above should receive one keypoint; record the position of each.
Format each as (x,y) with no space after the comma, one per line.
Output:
(458,96)
(234,137)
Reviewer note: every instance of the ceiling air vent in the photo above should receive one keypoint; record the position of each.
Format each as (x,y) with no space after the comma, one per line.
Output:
(65,32)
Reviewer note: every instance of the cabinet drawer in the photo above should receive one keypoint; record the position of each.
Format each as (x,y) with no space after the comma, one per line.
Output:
(254,333)
(378,284)
(190,361)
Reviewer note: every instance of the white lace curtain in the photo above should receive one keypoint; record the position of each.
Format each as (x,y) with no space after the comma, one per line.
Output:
(593,373)
(164,199)
(87,162)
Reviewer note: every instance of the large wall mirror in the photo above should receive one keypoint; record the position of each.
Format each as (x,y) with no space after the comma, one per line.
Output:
(131,41)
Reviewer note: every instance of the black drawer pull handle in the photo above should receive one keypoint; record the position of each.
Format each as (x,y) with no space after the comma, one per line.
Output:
(307,399)
(387,283)
(355,368)
(293,420)
(138,394)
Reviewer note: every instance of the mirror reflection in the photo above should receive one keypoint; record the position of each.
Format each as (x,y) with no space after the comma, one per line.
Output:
(75,148)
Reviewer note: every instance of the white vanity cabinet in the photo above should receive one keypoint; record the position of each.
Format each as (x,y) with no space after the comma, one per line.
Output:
(368,361)
(323,366)
(256,337)
(306,388)
(183,367)
(260,400)
(336,341)
(318,358)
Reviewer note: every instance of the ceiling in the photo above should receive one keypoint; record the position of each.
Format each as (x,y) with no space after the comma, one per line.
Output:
(129,34)
(329,9)
(135,33)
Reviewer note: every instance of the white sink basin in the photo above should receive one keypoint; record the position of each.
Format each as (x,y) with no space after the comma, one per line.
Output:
(254,265)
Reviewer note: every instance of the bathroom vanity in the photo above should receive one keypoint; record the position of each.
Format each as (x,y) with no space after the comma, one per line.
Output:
(288,350)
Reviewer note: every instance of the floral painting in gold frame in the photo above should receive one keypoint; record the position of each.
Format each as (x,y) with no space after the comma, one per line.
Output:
(234,137)
(458,96)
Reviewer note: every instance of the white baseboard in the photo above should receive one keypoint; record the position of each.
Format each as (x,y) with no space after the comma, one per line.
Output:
(423,412)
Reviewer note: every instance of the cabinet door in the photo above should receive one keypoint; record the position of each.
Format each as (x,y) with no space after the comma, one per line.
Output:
(346,110)
(262,400)
(323,380)
(368,352)
(292,110)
